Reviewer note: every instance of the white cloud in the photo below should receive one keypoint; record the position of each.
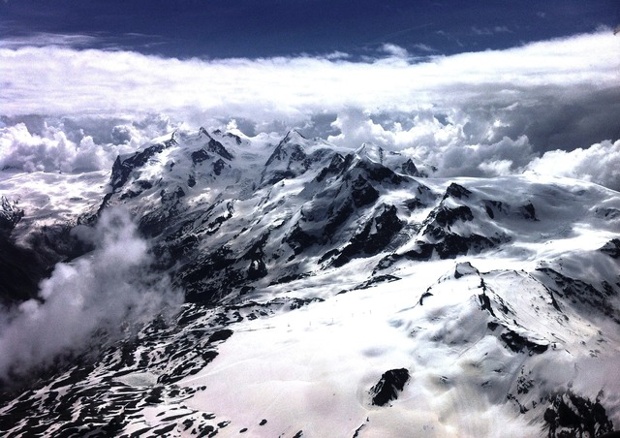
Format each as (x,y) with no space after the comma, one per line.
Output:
(600,163)
(51,152)
(110,291)
(424,47)
(64,146)
(395,51)
(502,108)
(41,39)
(57,81)
(484,31)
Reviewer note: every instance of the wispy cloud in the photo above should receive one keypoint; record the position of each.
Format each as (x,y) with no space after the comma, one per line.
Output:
(100,40)
(489,31)
(395,51)
(424,48)
(88,301)
(42,39)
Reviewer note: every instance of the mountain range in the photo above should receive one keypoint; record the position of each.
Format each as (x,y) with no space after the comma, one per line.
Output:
(325,292)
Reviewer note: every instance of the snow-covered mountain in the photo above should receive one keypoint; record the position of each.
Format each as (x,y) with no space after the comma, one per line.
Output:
(328,292)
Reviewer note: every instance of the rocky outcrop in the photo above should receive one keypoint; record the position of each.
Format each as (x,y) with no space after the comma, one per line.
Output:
(389,386)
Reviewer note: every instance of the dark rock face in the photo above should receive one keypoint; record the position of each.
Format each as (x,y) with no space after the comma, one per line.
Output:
(288,160)
(612,248)
(569,414)
(375,236)
(454,245)
(255,255)
(444,217)
(457,191)
(529,212)
(24,265)
(21,270)
(218,166)
(228,135)
(392,382)
(424,198)
(199,156)
(203,280)
(518,343)
(450,246)
(376,280)
(122,168)
(299,240)
(441,237)
(363,193)
(10,215)
(409,168)
(218,148)
(335,167)
(287,150)
(215,146)
(493,207)
(607,213)
(578,291)
(338,216)
(379,173)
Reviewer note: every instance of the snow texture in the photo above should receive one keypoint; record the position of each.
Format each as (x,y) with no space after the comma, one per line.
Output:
(328,292)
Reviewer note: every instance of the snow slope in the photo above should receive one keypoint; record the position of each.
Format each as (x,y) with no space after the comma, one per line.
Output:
(341,293)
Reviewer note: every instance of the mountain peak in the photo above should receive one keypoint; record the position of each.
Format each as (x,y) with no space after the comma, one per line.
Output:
(293,136)
(204,133)
(372,152)
(490,281)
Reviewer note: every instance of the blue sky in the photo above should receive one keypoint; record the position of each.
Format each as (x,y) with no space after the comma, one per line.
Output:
(267,28)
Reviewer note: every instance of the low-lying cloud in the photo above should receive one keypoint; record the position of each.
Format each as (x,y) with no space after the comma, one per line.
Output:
(103,295)
(35,144)
(600,163)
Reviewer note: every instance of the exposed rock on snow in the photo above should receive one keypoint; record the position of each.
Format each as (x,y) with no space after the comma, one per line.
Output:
(389,386)
(494,304)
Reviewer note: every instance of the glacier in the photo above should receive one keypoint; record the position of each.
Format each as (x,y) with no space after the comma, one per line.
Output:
(314,277)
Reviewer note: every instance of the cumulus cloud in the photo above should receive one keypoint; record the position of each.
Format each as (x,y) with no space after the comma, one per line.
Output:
(600,163)
(444,145)
(74,145)
(107,293)
(483,113)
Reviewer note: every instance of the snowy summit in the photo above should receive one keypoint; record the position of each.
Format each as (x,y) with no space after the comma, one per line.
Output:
(327,292)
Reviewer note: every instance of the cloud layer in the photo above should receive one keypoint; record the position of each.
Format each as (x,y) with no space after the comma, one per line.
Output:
(69,145)
(111,292)
(600,163)
(483,113)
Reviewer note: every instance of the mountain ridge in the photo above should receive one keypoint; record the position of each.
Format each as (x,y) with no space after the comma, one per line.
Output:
(362,265)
